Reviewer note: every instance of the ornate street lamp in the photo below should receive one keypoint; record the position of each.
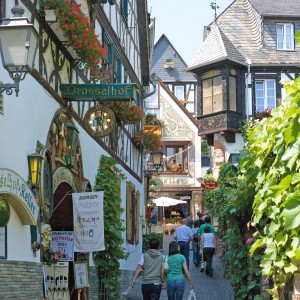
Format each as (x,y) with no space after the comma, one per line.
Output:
(71,140)
(18,46)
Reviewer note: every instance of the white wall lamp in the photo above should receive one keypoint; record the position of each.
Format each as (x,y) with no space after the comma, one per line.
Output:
(18,46)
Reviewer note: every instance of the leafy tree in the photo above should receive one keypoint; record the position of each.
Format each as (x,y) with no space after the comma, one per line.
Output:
(107,261)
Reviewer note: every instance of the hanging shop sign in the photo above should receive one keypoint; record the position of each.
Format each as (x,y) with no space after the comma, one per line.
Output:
(105,92)
(209,185)
(19,196)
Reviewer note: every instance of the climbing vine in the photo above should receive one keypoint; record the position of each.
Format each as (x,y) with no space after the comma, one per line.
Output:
(274,147)
(232,203)
(107,261)
(267,182)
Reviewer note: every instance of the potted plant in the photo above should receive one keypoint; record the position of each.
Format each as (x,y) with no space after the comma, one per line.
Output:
(78,31)
(51,257)
(146,141)
(125,112)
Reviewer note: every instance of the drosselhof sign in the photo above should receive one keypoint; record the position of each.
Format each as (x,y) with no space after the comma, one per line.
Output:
(92,92)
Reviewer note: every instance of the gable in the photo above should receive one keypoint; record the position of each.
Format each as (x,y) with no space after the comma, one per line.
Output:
(164,50)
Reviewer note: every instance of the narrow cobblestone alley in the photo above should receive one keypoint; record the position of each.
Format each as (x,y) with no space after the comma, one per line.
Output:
(206,288)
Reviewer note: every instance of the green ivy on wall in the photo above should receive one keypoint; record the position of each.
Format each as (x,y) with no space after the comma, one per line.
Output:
(107,261)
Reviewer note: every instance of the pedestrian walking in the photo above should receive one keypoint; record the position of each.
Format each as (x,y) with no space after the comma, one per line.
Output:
(184,234)
(195,244)
(153,274)
(190,221)
(154,215)
(208,249)
(175,282)
(207,223)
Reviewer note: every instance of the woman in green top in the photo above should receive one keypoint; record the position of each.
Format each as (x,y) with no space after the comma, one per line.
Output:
(175,277)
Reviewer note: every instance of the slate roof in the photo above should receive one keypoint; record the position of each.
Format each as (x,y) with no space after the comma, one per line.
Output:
(277,8)
(236,35)
(163,50)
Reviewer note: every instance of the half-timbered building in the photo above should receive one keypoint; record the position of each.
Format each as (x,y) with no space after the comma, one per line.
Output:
(247,51)
(54,117)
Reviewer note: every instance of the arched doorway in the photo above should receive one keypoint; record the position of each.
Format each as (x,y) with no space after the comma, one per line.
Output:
(62,220)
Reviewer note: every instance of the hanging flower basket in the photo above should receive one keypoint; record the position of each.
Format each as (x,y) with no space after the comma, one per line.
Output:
(125,112)
(146,141)
(78,31)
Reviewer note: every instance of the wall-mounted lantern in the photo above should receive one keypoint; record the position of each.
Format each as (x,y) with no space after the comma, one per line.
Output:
(18,46)
(154,165)
(71,140)
(35,164)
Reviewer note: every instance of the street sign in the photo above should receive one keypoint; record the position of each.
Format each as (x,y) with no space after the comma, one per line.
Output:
(209,185)
(95,92)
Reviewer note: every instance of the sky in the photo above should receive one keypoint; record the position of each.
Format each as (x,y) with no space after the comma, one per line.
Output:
(182,21)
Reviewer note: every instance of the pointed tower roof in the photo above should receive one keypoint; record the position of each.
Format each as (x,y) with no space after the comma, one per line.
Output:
(167,64)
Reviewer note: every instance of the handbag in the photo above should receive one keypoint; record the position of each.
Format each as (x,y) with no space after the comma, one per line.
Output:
(192,295)
(165,264)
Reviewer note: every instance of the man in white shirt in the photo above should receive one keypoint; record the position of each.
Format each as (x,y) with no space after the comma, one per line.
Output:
(184,234)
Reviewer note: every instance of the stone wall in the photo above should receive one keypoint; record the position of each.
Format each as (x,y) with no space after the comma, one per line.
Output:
(21,280)
(94,289)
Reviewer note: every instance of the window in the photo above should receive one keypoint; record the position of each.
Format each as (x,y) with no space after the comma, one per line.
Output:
(175,158)
(232,93)
(285,36)
(212,95)
(265,94)
(179,92)
(124,9)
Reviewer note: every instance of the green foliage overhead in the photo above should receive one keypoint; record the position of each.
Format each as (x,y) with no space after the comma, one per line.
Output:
(107,261)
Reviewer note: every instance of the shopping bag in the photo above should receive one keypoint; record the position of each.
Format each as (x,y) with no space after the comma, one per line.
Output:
(192,295)
(165,264)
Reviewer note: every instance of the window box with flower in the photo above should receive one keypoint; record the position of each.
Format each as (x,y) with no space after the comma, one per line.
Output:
(126,112)
(153,124)
(78,30)
(263,114)
(146,141)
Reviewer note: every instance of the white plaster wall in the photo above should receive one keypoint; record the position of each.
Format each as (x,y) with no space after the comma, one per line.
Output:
(19,240)
(231,147)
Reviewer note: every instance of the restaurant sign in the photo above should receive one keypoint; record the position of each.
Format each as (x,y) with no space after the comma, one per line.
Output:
(209,185)
(95,92)
(19,195)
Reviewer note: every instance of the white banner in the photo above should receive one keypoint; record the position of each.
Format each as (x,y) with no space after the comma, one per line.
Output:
(64,241)
(88,221)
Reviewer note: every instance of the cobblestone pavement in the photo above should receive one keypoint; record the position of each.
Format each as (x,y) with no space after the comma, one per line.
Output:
(206,288)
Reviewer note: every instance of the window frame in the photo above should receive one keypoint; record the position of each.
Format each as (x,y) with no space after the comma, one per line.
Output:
(266,104)
(284,42)
(214,103)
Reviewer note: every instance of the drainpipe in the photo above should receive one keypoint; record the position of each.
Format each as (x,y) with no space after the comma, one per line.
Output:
(153,81)
(248,88)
